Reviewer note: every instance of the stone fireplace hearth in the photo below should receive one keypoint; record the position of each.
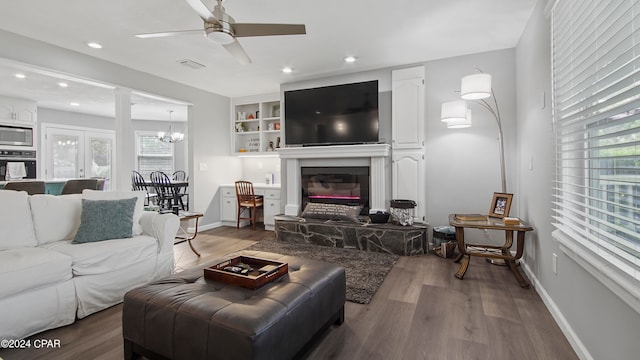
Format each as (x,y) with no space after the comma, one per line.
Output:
(383,238)
(373,156)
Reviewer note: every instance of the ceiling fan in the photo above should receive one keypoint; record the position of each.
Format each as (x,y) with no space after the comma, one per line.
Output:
(222,29)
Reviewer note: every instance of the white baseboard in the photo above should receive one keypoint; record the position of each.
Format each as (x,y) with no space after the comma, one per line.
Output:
(562,322)
(201,227)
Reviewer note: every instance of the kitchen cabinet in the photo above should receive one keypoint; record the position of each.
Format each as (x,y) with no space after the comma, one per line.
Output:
(18,111)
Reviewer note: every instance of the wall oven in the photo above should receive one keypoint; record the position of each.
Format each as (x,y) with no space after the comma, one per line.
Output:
(16,136)
(28,157)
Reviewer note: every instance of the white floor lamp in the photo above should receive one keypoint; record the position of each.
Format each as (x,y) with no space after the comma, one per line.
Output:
(475,88)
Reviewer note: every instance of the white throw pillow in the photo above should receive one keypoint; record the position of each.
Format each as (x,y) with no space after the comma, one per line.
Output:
(119,195)
(55,217)
(16,226)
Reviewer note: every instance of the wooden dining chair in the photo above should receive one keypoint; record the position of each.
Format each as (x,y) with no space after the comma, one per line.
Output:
(183,191)
(138,183)
(164,188)
(31,187)
(247,200)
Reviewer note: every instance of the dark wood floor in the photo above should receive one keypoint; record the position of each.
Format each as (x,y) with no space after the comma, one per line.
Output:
(421,311)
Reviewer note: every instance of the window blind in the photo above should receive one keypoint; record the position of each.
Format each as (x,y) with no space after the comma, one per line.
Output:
(154,155)
(596,99)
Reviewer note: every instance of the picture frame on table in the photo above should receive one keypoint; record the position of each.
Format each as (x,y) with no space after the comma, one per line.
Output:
(500,205)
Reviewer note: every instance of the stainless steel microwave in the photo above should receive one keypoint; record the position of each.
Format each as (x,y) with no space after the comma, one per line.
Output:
(16,136)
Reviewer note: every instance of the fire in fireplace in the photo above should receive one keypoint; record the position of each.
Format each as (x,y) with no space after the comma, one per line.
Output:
(336,185)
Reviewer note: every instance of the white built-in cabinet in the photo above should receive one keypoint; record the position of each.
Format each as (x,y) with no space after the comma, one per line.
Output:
(407,98)
(271,204)
(18,111)
(407,138)
(256,125)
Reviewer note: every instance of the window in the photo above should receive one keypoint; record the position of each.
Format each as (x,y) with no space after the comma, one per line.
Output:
(153,154)
(596,78)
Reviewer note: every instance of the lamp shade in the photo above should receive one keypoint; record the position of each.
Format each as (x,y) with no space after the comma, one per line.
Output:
(460,124)
(476,86)
(453,111)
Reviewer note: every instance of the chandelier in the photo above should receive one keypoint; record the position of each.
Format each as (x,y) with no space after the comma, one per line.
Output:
(171,136)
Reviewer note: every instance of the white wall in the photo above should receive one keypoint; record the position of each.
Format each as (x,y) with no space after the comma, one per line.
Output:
(463,165)
(597,322)
(255,169)
(208,122)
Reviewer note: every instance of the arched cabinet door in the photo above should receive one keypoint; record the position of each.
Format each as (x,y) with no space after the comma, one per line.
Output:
(407,172)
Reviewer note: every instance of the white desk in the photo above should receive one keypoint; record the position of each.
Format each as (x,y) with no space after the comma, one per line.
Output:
(229,204)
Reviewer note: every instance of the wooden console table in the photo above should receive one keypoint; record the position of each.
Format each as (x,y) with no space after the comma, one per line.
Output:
(491,251)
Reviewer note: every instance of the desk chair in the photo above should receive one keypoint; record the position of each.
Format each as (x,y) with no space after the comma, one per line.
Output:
(138,183)
(75,186)
(182,192)
(164,188)
(247,200)
(31,187)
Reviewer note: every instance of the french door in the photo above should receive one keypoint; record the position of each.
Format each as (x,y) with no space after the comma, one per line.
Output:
(72,153)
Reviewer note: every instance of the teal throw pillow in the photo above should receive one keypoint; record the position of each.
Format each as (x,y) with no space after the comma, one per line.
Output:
(105,219)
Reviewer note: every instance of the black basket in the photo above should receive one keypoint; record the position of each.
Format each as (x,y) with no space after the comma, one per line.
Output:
(379,218)
(403,204)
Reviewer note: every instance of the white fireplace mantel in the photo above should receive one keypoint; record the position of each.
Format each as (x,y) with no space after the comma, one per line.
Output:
(375,154)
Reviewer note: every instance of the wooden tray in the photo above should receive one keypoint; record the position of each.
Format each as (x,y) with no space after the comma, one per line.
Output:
(253,279)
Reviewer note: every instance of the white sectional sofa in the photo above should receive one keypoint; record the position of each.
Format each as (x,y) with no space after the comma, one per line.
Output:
(46,281)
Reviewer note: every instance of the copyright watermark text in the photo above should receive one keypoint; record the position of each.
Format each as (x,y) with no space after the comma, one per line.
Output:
(30,344)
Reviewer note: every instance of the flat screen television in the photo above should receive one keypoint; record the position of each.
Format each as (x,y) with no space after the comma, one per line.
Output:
(332,115)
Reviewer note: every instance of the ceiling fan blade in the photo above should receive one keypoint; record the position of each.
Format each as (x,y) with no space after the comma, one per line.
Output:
(244,30)
(238,52)
(169,33)
(202,10)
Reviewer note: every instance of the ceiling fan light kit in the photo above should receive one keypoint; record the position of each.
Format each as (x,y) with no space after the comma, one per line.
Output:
(220,36)
(222,29)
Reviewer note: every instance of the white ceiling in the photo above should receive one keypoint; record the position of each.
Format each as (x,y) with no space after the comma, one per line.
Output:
(379,33)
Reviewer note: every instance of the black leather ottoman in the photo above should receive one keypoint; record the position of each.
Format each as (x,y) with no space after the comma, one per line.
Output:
(188,317)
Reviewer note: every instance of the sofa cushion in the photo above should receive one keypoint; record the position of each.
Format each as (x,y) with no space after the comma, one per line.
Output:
(104,256)
(30,268)
(105,220)
(118,195)
(55,217)
(15,220)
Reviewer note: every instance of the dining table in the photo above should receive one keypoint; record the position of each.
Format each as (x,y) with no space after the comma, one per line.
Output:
(177,187)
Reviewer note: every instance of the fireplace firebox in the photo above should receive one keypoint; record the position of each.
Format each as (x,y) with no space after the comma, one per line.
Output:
(336,185)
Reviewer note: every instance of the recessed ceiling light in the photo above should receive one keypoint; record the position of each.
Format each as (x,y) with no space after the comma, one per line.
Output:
(63,84)
(20,76)
(74,104)
(350,59)
(94,45)
(287,70)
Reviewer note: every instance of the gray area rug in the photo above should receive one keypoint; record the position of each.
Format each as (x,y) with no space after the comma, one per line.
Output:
(365,270)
